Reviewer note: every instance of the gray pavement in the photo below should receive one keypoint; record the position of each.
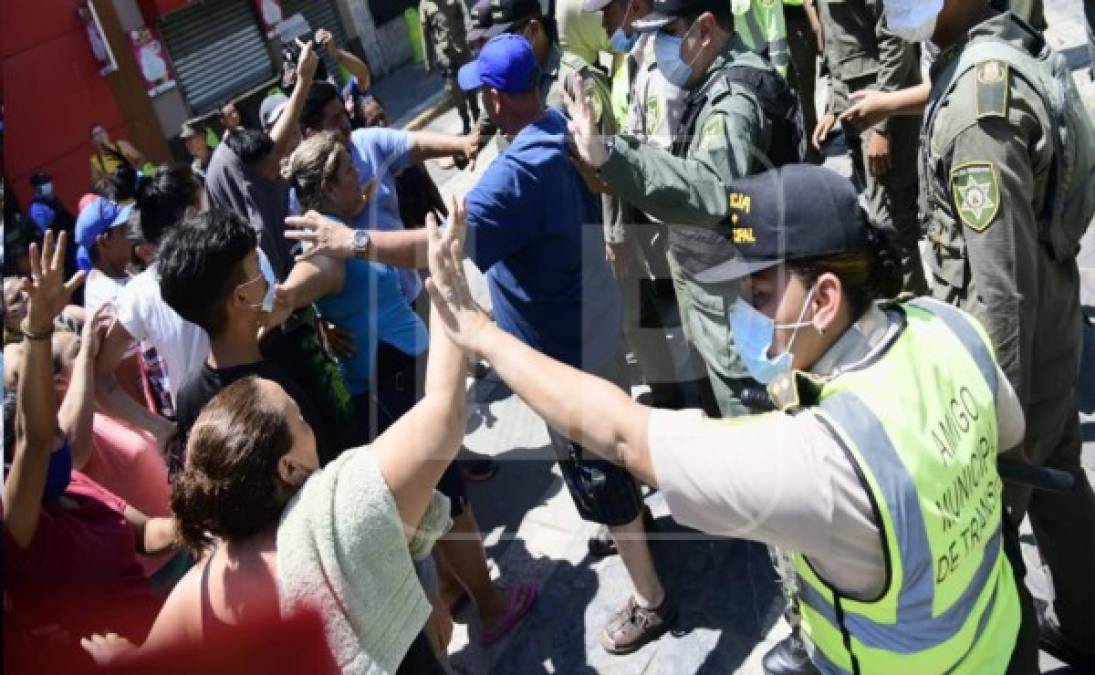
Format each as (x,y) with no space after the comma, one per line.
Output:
(726,589)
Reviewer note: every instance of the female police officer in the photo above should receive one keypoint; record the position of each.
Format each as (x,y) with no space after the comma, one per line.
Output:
(879,469)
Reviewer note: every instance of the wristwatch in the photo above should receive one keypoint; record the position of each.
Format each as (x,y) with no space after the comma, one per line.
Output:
(361,243)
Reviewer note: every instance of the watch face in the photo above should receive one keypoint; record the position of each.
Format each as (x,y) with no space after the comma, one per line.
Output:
(361,239)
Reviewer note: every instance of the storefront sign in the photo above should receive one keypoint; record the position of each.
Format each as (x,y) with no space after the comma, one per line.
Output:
(151,61)
(100,48)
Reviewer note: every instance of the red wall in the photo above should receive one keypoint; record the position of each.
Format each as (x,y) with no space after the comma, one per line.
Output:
(53,94)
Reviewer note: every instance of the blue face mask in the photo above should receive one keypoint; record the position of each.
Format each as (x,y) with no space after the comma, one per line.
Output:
(667,52)
(753,335)
(621,42)
(59,473)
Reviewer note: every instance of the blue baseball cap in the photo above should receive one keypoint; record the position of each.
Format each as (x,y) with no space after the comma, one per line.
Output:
(505,63)
(99,216)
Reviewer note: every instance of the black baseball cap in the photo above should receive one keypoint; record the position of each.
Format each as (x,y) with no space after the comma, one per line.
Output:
(505,13)
(797,212)
(482,25)
(665,11)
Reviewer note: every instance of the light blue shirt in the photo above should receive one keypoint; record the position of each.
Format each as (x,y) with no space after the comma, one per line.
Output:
(383,153)
(372,309)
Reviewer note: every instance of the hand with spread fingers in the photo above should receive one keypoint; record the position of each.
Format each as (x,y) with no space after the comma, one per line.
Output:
(585,137)
(323,235)
(463,319)
(307,63)
(46,289)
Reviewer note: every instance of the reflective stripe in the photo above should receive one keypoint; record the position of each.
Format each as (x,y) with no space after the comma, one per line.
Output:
(959,324)
(919,630)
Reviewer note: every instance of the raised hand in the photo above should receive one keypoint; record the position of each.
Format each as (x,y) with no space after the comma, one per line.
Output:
(307,63)
(325,41)
(46,289)
(585,137)
(462,318)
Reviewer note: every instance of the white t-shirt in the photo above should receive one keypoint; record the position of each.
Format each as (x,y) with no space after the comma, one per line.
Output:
(100,288)
(182,345)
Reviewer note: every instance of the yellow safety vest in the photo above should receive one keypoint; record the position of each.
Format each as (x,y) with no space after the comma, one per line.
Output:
(920,427)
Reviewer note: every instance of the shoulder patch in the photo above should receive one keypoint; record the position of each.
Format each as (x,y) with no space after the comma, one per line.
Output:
(652,113)
(993,88)
(975,189)
(713,130)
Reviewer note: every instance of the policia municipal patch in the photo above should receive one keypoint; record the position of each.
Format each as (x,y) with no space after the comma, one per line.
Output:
(975,188)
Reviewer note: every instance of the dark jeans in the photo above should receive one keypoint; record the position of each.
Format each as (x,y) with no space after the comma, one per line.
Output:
(397,386)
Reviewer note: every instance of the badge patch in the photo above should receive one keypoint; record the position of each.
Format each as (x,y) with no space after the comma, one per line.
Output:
(653,114)
(713,129)
(975,188)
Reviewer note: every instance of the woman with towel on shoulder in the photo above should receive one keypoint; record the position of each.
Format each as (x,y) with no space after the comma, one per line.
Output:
(281,534)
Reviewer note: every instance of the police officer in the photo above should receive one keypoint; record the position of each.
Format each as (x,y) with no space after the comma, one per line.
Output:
(1007,166)
(652,110)
(446,48)
(864,54)
(763,29)
(897,531)
(582,36)
(730,129)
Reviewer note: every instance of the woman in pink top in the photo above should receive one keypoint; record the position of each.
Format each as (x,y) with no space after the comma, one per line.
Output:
(69,546)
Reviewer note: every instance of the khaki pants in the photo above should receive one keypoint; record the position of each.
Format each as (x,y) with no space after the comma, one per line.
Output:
(1063,524)
(647,340)
(892,198)
(802,75)
(705,319)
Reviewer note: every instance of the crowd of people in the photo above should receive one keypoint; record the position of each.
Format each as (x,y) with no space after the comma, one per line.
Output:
(235,388)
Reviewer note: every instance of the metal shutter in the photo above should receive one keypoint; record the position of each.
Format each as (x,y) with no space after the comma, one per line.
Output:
(218,51)
(319,14)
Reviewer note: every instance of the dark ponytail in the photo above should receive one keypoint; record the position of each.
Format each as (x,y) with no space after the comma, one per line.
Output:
(867,275)
(229,488)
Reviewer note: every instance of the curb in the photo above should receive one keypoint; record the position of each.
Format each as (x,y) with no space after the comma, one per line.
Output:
(433,110)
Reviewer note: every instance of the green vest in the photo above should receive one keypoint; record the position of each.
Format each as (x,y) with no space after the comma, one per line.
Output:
(763,29)
(919,425)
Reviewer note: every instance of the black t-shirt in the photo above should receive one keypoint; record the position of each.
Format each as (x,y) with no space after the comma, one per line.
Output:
(208,382)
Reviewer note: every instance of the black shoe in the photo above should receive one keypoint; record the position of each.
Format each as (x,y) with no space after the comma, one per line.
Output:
(478,470)
(789,657)
(1053,642)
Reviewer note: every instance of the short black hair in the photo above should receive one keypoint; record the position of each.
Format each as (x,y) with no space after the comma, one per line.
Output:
(163,201)
(724,17)
(250,145)
(321,93)
(200,264)
(124,182)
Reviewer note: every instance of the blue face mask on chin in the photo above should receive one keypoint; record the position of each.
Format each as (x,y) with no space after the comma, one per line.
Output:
(621,42)
(667,52)
(753,335)
(59,473)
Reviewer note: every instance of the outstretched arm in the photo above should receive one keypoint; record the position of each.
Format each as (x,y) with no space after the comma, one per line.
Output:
(285,130)
(585,408)
(403,248)
(348,60)
(414,452)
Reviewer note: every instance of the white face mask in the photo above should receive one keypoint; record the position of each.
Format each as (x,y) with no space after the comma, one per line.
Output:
(912,20)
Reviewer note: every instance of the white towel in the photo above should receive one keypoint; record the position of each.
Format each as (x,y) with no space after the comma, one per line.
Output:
(342,550)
